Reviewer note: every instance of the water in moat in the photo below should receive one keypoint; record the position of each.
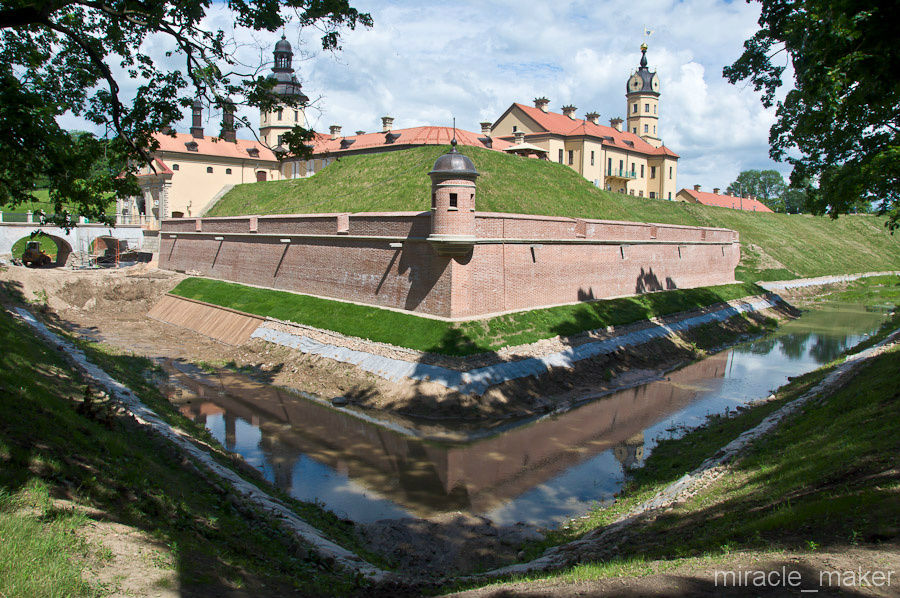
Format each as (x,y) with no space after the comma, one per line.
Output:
(541,472)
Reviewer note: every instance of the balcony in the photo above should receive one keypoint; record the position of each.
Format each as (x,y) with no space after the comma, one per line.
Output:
(621,173)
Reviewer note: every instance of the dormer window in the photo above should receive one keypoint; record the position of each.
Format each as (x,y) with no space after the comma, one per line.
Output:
(175,167)
(209,169)
(191,146)
(254,153)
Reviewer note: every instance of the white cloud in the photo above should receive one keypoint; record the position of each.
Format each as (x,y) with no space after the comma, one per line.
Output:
(426,63)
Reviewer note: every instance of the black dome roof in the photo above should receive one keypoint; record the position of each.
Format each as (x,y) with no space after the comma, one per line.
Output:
(283,45)
(454,163)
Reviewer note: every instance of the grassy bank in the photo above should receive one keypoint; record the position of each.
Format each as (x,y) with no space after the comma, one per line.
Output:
(454,338)
(64,463)
(826,478)
(774,246)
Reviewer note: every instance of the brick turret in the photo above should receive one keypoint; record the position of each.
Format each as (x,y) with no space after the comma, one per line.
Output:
(453,203)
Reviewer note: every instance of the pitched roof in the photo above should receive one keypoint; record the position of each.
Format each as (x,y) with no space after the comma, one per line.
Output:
(214,146)
(727,201)
(425,135)
(559,124)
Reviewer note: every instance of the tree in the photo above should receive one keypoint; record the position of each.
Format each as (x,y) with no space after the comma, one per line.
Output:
(766,185)
(840,125)
(56,57)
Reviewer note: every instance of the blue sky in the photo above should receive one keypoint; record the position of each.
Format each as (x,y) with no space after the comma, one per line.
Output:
(425,63)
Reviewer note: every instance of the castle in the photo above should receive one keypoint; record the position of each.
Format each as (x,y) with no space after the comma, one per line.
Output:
(190,171)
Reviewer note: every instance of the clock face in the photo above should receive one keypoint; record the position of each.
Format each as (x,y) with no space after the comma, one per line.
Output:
(654,82)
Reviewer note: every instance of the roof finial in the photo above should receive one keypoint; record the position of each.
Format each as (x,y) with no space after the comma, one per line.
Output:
(453,141)
(644,55)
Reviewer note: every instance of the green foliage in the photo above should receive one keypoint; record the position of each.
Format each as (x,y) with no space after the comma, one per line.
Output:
(48,245)
(54,59)
(765,185)
(397,181)
(454,338)
(840,125)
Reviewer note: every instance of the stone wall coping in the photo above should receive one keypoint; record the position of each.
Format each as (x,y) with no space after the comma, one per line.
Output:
(512,216)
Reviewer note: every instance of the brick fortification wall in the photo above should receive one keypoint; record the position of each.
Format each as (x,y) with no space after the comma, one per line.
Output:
(518,261)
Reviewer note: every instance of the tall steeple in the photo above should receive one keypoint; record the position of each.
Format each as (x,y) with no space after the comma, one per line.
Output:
(642,93)
(275,123)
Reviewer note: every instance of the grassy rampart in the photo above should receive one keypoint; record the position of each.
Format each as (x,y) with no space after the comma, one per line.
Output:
(775,246)
(454,338)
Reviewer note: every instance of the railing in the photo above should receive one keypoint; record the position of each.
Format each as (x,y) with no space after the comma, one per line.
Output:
(622,173)
(33,218)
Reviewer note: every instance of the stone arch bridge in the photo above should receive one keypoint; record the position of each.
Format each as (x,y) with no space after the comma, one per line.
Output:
(79,238)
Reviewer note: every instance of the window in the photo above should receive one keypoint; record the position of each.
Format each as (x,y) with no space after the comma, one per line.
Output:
(175,167)
(634,130)
(453,200)
(621,166)
(632,169)
(647,108)
(209,169)
(653,172)
(642,171)
(654,108)
(280,139)
(640,193)
(670,195)
(296,116)
(592,157)
(646,128)
(654,129)
(433,200)
(632,192)
(652,195)
(515,128)
(560,156)
(227,171)
(279,113)
(670,174)
(634,109)
(609,166)
(571,157)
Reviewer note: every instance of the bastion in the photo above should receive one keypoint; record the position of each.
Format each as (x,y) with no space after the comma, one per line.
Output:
(451,261)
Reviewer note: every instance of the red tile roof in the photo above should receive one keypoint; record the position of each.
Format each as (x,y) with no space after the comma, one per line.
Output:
(727,201)
(214,146)
(560,124)
(161,168)
(425,135)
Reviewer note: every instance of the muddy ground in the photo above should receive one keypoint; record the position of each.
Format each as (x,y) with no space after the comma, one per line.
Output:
(110,306)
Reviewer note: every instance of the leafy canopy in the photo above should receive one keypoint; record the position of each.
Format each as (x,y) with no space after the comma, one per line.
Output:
(840,125)
(57,56)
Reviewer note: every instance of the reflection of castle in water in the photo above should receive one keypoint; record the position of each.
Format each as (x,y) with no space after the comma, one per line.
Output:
(426,477)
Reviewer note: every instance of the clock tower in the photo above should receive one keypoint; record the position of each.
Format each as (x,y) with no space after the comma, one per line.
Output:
(642,93)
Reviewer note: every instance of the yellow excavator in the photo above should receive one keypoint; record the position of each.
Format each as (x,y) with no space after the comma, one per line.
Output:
(33,257)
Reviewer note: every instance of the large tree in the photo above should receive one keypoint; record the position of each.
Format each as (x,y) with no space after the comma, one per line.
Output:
(840,125)
(58,57)
(766,185)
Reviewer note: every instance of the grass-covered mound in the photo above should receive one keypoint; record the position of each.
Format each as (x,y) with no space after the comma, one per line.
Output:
(454,338)
(775,246)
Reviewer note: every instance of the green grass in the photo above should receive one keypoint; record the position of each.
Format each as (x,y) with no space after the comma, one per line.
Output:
(397,181)
(42,202)
(105,461)
(454,338)
(48,246)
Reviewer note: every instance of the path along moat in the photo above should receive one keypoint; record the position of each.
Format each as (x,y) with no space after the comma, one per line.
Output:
(541,472)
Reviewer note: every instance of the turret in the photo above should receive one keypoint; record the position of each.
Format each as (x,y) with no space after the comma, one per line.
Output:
(283,117)
(453,203)
(642,93)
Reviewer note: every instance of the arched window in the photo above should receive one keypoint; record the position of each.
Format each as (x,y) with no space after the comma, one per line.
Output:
(209,169)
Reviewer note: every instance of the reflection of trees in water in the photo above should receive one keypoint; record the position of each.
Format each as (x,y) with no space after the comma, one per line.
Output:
(827,348)
(793,345)
(762,347)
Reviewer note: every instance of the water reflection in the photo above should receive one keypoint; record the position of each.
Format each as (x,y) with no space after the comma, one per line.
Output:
(539,473)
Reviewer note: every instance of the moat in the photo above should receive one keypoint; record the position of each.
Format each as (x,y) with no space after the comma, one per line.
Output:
(540,472)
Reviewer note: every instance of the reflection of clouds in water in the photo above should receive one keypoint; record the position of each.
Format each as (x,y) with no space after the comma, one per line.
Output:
(567,495)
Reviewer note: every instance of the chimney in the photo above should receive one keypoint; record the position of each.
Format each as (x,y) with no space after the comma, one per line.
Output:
(715,190)
(696,187)
(542,104)
(196,116)
(569,111)
(387,122)
(486,128)
(360,132)
(616,123)
(593,118)
(228,133)
(520,137)
(335,131)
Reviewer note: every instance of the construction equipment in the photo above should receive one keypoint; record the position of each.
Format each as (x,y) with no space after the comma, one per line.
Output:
(33,257)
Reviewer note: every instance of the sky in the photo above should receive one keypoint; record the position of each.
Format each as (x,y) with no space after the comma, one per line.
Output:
(425,63)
